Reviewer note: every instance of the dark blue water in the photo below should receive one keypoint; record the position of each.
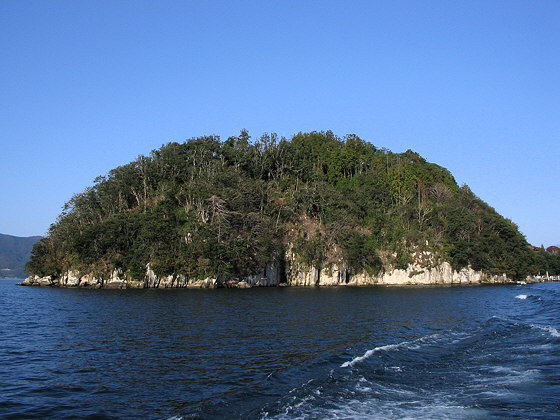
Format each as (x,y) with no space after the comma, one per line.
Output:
(478,352)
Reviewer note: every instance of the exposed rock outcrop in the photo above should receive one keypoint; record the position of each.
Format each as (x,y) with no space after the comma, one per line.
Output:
(289,270)
(296,274)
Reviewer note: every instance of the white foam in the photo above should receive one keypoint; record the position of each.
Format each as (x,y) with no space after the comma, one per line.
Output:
(503,370)
(521,297)
(553,331)
(359,358)
(411,345)
(413,409)
(368,353)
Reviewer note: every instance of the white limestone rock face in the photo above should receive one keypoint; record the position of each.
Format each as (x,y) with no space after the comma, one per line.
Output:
(423,272)
(166,282)
(299,274)
(363,279)
(181,281)
(150,279)
(304,277)
(116,281)
(29,281)
(207,283)
(38,281)
(417,275)
(330,276)
(176,281)
(45,281)
(89,280)
(70,279)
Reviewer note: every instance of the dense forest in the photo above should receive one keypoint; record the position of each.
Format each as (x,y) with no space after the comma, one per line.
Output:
(225,209)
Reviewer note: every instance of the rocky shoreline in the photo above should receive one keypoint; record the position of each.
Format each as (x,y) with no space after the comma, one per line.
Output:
(273,276)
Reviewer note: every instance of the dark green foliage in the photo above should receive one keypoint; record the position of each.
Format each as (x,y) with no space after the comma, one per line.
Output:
(226,209)
(359,251)
(546,263)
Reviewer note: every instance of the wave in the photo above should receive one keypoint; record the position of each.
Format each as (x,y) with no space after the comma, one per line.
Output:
(357,408)
(484,367)
(474,372)
(529,297)
(553,331)
(541,306)
(423,346)
(369,353)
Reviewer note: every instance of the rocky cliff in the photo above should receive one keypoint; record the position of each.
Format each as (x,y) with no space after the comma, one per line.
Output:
(289,272)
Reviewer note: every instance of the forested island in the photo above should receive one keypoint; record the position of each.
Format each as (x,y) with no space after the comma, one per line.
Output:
(315,209)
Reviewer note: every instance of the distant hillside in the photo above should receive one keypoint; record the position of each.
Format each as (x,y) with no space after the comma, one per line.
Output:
(14,253)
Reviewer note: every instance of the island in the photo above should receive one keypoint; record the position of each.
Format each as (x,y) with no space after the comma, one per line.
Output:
(313,210)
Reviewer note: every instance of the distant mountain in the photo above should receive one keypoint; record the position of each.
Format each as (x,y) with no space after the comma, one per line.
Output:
(14,253)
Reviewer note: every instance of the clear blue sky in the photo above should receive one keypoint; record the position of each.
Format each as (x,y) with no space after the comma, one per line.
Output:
(474,86)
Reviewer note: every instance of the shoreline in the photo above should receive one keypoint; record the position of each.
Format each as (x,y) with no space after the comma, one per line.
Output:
(244,285)
(282,286)
(274,275)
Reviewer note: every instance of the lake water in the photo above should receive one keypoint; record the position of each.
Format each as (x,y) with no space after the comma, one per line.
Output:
(280,353)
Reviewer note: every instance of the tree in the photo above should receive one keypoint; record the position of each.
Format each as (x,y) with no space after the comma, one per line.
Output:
(209,208)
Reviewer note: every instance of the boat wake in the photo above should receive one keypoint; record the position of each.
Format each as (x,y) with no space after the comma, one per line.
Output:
(478,373)
(485,367)
(369,353)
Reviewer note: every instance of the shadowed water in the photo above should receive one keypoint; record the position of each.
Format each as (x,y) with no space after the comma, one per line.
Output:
(474,352)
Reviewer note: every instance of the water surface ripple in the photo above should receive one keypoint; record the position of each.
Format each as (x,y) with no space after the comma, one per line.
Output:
(283,353)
